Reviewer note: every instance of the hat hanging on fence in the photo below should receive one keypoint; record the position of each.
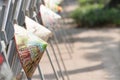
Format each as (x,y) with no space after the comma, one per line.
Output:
(49,18)
(37,29)
(53,4)
(30,49)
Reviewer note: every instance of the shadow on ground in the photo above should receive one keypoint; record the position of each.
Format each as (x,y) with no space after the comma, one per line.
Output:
(71,72)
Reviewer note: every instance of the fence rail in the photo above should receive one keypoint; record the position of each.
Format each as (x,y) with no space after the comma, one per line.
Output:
(14,12)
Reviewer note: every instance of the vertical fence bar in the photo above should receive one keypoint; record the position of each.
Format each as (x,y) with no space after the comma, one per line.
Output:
(66,33)
(7,26)
(64,22)
(56,75)
(62,75)
(40,73)
(60,54)
(64,40)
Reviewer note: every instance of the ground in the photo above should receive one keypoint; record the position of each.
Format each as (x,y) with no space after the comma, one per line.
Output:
(95,56)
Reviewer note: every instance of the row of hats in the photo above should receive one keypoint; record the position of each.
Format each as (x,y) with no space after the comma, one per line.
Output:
(31,41)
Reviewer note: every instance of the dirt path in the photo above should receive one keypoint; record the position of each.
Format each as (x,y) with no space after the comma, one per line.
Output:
(96,56)
(97,51)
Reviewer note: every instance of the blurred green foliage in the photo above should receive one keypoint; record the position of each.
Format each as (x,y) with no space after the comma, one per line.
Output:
(86,2)
(94,14)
